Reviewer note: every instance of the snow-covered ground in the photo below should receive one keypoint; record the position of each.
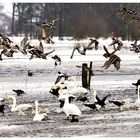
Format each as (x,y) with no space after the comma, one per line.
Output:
(13,75)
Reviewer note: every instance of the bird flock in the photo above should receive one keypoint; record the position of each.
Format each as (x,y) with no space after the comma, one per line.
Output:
(65,88)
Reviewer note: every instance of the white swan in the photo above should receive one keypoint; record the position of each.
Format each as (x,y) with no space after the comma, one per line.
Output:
(18,108)
(70,109)
(135,105)
(93,97)
(39,117)
(138,99)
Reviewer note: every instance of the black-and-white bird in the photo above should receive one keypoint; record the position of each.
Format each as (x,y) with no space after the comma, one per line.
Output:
(2,108)
(57,60)
(19,92)
(137,83)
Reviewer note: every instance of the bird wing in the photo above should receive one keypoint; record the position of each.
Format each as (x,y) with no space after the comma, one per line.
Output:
(23,107)
(58,79)
(103,100)
(106,50)
(98,100)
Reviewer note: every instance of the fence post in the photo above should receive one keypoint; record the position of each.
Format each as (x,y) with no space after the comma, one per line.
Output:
(84,75)
(89,75)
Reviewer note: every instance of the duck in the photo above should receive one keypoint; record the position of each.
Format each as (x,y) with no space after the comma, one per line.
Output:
(30,73)
(2,108)
(57,60)
(39,117)
(65,77)
(70,109)
(59,77)
(19,92)
(18,108)
(55,89)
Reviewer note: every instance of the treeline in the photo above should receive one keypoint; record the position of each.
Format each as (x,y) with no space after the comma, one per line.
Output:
(79,20)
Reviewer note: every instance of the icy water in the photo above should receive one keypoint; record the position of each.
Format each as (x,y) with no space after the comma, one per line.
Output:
(108,122)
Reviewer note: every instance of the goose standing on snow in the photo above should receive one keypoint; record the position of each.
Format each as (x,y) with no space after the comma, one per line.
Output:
(70,109)
(39,117)
(18,108)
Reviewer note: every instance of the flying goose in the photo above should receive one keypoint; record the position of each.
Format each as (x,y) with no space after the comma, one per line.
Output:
(113,59)
(39,53)
(118,42)
(91,42)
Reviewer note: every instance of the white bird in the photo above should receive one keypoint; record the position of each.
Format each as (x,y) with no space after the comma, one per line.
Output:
(70,109)
(18,108)
(39,117)
(93,97)
(137,102)
(77,91)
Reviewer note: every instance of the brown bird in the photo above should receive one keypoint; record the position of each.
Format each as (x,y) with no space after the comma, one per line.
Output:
(113,59)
